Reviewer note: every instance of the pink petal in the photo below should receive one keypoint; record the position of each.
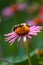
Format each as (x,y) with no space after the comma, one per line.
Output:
(9,34)
(24,38)
(10,37)
(32,27)
(29,36)
(32,33)
(19,38)
(13,40)
(38,28)
(35,31)
(35,28)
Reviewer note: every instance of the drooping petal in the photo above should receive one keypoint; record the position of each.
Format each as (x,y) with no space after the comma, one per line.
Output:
(19,38)
(24,38)
(29,36)
(9,34)
(13,40)
(10,37)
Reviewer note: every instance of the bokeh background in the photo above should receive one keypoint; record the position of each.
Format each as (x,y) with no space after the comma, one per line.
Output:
(16,53)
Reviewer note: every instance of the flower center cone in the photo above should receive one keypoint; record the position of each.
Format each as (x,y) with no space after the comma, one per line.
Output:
(22,30)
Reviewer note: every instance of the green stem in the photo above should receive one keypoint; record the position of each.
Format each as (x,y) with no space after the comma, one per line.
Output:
(27,50)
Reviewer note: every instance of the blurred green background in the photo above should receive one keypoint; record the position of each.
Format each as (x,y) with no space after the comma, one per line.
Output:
(16,53)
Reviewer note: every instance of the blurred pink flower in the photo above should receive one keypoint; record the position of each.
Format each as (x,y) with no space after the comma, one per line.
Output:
(30,22)
(7,12)
(18,7)
(22,31)
(35,21)
(38,20)
(21,6)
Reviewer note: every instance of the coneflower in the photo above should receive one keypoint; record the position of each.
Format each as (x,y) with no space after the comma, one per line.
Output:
(23,31)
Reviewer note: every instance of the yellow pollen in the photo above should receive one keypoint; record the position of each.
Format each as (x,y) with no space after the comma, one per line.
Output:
(22,30)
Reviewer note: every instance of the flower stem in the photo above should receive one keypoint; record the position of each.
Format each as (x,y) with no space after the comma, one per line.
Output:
(27,50)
